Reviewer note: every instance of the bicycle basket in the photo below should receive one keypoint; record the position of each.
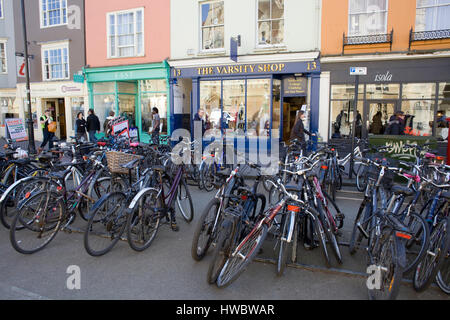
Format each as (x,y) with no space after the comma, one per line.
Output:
(117,159)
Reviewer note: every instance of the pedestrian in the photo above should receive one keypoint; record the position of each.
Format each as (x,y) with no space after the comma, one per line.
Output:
(45,120)
(107,125)
(93,126)
(80,126)
(200,116)
(396,125)
(298,132)
(377,123)
(156,124)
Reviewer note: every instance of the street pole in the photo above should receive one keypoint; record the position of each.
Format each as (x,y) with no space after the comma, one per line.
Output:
(31,142)
(355,112)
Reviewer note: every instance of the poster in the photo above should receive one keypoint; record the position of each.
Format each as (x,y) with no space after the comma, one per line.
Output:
(16,129)
(121,128)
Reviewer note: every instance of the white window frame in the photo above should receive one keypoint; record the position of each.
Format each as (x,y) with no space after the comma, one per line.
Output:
(4,42)
(436,7)
(215,50)
(108,33)
(270,45)
(57,45)
(350,13)
(41,16)
(2,8)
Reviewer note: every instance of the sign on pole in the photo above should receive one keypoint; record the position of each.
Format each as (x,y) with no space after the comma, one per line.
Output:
(358,71)
(16,129)
(20,62)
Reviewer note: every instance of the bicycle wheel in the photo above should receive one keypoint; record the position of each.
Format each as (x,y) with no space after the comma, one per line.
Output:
(208,176)
(443,277)
(437,250)
(106,224)
(386,257)
(144,220)
(37,222)
(221,252)
(416,247)
(319,233)
(206,230)
(241,256)
(361,178)
(283,248)
(184,202)
(331,236)
(364,212)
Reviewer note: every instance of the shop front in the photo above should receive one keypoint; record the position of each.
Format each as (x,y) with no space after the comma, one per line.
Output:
(131,92)
(248,101)
(9,108)
(64,99)
(418,87)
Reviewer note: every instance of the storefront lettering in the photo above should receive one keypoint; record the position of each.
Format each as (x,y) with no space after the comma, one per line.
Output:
(383,77)
(241,69)
(65,89)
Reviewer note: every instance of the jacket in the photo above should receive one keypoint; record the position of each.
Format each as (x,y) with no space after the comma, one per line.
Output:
(298,132)
(396,127)
(93,124)
(80,126)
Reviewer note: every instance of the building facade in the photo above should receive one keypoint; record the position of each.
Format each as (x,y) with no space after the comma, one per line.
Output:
(405,45)
(250,65)
(127,51)
(55,31)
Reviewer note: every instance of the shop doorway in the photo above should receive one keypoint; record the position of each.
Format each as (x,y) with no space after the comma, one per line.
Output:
(57,108)
(291,107)
(377,114)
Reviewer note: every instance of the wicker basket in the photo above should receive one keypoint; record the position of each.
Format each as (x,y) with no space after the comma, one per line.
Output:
(116,159)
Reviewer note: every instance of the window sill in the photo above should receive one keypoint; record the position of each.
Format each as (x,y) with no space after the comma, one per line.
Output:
(130,57)
(274,48)
(218,52)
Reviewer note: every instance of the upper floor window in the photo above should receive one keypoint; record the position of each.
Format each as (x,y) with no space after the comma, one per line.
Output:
(213,25)
(367,17)
(432,15)
(53,12)
(270,22)
(126,33)
(55,62)
(1,9)
(3,66)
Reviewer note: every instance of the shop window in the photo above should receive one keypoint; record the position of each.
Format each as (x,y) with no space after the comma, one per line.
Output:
(126,33)
(3,58)
(55,62)
(342,118)
(276,105)
(444,90)
(442,125)
(33,112)
(346,92)
(153,85)
(419,91)
(270,22)
(126,87)
(127,108)
(419,117)
(382,91)
(367,17)
(150,101)
(77,107)
(53,13)
(432,15)
(234,107)
(212,28)
(103,105)
(104,87)
(258,107)
(210,101)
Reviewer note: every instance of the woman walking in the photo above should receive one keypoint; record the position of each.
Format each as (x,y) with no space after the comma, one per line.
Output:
(80,128)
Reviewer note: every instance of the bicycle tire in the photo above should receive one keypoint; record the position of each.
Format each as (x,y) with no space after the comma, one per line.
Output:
(187,212)
(443,276)
(320,234)
(198,249)
(331,236)
(50,213)
(421,236)
(356,236)
(283,248)
(107,222)
(253,243)
(436,252)
(220,252)
(139,218)
(361,178)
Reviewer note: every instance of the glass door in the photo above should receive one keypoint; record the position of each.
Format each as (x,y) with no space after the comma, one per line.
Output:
(377,116)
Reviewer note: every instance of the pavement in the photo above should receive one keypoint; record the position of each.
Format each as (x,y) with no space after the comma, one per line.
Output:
(167,271)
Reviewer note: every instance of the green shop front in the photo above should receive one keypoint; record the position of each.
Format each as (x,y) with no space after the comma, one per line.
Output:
(131,92)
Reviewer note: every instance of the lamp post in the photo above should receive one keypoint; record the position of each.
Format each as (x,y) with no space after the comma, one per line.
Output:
(31,143)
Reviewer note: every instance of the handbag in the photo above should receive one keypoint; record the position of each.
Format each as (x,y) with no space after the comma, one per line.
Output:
(52,127)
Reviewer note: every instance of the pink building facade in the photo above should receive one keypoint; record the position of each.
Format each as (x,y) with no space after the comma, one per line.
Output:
(128,45)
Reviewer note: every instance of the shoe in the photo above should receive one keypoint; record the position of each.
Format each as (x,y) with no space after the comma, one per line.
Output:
(174,227)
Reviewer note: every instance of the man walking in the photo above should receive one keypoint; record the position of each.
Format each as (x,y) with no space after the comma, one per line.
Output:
(44,121)
(93,126)
(156,123)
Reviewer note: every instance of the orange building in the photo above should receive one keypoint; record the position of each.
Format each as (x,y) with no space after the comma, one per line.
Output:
(405,46)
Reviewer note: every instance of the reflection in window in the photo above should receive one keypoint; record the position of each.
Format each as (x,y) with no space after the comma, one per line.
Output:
(441,122)
(346,92)
(444,90)
(419,117)
(382,91)
(127,108)
(150,101)
(77,107)
(33,112)
(270,22)
(342,118)
(276,114)
(210,101)
(234,106)
(153,85)
(419,91)
(212,25)
(103,105)
(432,15)
(367,17)
(258,107)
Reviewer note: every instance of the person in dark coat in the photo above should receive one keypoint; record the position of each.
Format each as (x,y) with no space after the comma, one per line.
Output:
(377,123)
(92,126)
(200,117)
(396,125)
(298,132)
(80,127)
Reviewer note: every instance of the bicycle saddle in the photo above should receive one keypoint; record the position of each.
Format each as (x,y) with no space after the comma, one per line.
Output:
(130,165)
(295,187)
(401,190)
(59,175)
(159,168)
